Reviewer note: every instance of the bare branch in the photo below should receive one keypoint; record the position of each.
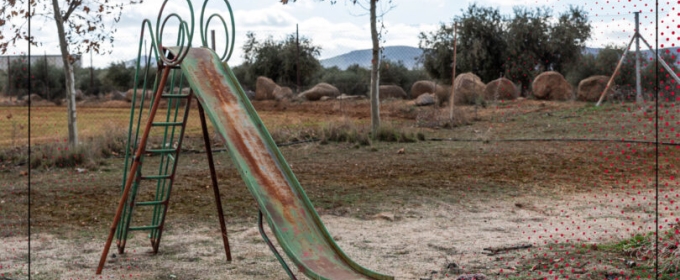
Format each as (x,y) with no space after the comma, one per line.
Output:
(71,7)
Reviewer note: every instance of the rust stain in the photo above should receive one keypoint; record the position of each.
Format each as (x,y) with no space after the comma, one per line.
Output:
(281,198)
(246,141)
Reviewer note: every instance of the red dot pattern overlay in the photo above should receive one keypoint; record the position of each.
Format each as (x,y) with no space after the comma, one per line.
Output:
(568,239)
(572,239)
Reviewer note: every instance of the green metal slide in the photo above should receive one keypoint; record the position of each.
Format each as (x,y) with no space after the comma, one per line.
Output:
(267,175)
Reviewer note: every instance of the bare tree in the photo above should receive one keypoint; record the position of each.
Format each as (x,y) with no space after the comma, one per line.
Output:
(375,61)
(82,26)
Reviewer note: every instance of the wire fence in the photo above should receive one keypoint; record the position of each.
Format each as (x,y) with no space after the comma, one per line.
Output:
(626,149)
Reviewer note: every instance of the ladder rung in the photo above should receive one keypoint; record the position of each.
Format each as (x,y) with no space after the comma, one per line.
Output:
(156,177)
(174,95)
(145,203)
(162,151)
(167,124)
(144,228)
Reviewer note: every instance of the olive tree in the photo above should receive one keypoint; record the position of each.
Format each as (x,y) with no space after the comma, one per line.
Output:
(82,26)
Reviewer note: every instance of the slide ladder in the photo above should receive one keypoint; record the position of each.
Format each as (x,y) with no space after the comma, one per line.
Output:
(169,130)
(281,200)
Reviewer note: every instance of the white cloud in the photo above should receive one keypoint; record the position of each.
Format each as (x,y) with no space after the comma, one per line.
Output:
(610,32)
(510,3)
(274,15)
(335,29)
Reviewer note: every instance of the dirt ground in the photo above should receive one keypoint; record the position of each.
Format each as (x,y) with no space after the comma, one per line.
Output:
(428,212)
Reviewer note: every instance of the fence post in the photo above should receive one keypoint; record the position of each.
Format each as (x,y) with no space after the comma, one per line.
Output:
(9,79)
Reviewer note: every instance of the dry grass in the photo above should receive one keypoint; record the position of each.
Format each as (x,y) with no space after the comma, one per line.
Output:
(442,117)
(88,155)
(642,247)
(448,200)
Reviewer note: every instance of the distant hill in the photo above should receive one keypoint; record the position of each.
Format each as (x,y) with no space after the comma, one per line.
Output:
(133,62)
(644,51)
(593,51)
(407,55)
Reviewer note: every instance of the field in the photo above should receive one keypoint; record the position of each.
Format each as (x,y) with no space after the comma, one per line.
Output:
(575,183)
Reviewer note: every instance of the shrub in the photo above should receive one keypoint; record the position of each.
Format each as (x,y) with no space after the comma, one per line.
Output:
(353,81)
(344,131)
(395,73)
(118,76)
(388,133)
(89,154)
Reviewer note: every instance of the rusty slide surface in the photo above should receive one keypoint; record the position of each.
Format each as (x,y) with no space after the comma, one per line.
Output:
(282,200)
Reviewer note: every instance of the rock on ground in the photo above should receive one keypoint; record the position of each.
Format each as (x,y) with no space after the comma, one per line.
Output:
(420,87)
(281,93)
(501,89)
(468,88)
(551,85)
(590,89)
(264,88)
(425,99)
(392,91)
(318,91)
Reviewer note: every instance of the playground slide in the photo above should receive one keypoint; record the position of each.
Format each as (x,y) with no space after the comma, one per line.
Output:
(282,200)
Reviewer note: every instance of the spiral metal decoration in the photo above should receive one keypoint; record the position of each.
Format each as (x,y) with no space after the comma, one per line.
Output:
(229,36)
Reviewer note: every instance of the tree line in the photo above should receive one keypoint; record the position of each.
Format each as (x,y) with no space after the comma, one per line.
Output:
(47,80)
(277,60)
(529,41)
(517,46)
(491,45)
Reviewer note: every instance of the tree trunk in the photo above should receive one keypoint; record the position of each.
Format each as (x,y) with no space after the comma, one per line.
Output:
(68,72)
(375,74)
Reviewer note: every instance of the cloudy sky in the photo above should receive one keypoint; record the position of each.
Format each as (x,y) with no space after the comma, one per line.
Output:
(344,27)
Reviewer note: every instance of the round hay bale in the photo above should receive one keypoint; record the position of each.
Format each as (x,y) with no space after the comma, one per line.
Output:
(442,94)
(468,88)
(552,85)
(140,93)
(590,89)
(318,91)
(79,95)
(425,99)
(420,87)
(425,86)
(500,89)
(34,97)
(392,91)
(117,95)
(281,93)
(264,88)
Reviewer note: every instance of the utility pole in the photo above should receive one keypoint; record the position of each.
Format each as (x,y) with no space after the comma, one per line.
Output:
(453,75)
(47,78)
(297,57)
(212,40)
(91,74)
(638,79)
(9,79)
